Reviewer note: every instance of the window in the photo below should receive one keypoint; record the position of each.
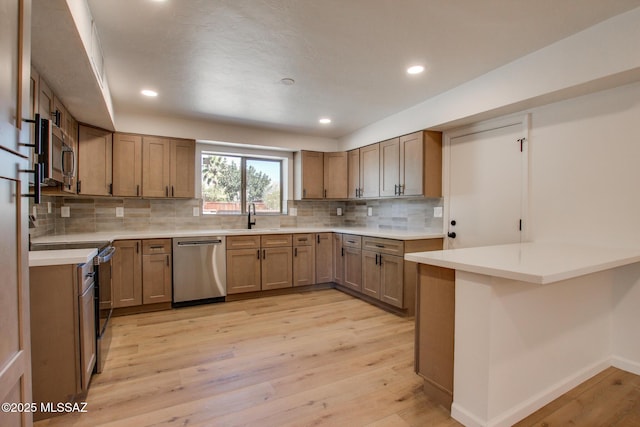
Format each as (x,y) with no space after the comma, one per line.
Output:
(230,183)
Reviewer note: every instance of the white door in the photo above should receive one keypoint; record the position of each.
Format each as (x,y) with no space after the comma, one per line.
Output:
(487,184)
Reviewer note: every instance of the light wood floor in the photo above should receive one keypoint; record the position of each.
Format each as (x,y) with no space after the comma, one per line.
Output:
(319,358)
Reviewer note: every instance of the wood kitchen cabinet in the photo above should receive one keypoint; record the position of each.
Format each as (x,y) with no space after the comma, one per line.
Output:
(338,259)
(351,247)
(257,263)
(94,161)
(411,165)
(320,175)
(324,257)
(369,171)
(63,345)
(142,274)
(435,318)
(127,165)
(304,263)
(168,167)
(156,271)
(127,273)
(383,270)
(335,175)
(277,261)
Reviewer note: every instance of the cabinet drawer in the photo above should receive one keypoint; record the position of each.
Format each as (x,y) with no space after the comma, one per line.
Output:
(302,239)
(243,242)
(276,240)
(86,277)
(351,241)
(156,246)
(385,246)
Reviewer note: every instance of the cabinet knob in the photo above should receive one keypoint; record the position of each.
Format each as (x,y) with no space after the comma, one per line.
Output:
(451,234)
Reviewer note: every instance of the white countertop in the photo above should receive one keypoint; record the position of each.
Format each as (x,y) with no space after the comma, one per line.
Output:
(61,257)
(539,263)
(164,234)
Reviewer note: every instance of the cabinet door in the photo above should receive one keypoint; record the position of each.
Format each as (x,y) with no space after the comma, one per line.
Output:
(243,270)
(353,268)
(45,100)
(127,165)
(411,164)
(304,262)
(389,167)
(277,268)
(370,171)
(94,161)
(370,274)
(183,157)
(156,173)
(15,50)
(127,273)
(324,257)
(353,174)
(338,259)
(392,280)
(312,175)
(87,310)
(335,175)
(156,278)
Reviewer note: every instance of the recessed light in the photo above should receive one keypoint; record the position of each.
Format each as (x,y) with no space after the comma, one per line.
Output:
(149,92)
(416,69)
(325,120)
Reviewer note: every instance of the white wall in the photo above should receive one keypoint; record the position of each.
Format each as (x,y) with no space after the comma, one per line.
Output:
(603,56)
(585,169)
(202,130)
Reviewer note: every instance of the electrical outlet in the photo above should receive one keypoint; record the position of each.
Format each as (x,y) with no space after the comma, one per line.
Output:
(48,207)
(369,211)
(65,212)
(339,211)
(293,211)
(437,212)
(119,212)
(196,211)
(34,212)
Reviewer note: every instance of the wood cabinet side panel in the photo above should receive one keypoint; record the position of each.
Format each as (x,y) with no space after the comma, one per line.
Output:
(432,164)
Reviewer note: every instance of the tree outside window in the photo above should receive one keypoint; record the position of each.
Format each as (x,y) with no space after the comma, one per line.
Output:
(230,183)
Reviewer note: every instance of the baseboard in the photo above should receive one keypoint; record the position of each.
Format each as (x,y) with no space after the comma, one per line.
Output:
(529,406)
(626,364)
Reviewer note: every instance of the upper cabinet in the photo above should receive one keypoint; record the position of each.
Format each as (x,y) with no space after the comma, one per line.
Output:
(127,165)
(410,165)
(320,175)
(94,161)
(168,167)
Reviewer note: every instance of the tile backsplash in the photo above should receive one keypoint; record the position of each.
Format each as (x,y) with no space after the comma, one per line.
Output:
(99,214)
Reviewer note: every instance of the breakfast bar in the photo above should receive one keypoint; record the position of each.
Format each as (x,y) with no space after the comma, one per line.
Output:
(531,321)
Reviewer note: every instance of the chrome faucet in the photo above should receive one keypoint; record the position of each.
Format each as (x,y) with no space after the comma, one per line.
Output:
(249,222)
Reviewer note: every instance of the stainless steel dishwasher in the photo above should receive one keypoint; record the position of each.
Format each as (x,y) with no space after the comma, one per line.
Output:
(199,270)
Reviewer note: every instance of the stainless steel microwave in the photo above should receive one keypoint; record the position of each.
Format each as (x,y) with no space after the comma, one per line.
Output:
(56,159)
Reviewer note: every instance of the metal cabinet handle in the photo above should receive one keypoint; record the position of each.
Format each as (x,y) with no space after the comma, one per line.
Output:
(325,194)
(264,254)
(137,247)
(342,254)
(295,251)
(137,190)
(166,191)
(258,254)
(167,260)
(380,259)
(377,259)
(173,192)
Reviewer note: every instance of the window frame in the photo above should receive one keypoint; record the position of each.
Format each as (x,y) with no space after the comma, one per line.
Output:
(217,151)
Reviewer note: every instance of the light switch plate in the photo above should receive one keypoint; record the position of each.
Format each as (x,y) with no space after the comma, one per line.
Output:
(369,211)
(65,212)
(34,212)
(437,212)
(196,211)
(293,211)
(339,211)
(48,207)
(119,212)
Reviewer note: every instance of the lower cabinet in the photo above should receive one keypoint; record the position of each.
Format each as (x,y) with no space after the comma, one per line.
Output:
(257,263)
(142,272)
(324,257)
(352,259)
(304,271)
(338,261)
(63,332)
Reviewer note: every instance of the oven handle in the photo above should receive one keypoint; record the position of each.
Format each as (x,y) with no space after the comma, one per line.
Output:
(105,255)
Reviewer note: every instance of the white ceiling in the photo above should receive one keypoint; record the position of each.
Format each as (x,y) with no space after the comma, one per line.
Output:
(222,60)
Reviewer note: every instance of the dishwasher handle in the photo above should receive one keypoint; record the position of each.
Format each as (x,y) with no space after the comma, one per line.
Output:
(200,242)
